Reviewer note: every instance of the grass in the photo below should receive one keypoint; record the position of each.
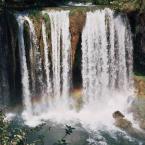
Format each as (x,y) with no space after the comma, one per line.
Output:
(139,76)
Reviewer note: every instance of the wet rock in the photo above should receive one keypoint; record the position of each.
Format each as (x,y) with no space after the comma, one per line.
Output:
(76,29)
(124,124)
(117,114)
(142,124)
(120,120)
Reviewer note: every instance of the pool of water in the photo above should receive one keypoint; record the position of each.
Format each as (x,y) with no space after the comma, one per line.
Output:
(82,135)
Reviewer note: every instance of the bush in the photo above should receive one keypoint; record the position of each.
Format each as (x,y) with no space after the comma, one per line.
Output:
(14,135)
(11,134)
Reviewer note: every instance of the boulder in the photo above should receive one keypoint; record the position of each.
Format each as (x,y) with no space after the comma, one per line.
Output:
(117,114)
(120,120)
(124,124)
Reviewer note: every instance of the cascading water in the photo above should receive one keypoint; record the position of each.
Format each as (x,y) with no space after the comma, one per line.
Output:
(61,54)
(36,67)
(104,60)
(37,83)
(46,98)
(106,73)
(106,68)
(94,56)
(55,93)
(24,70)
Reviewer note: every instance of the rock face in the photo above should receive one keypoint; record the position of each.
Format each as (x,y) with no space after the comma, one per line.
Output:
(4,88)
(76,27)
(137,21)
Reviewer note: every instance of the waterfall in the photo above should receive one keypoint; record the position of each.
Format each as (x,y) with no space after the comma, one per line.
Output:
(61,55)
(106,67)
(125,50)
(55,93)
(37,81)
(36,74)
(24,70)
(94,56)
(47,65)
(106,57)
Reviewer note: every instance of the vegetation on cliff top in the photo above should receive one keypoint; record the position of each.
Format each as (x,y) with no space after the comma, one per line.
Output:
(127,5)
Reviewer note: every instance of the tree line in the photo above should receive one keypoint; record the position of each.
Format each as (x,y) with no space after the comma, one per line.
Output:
(65,1)
(137,4)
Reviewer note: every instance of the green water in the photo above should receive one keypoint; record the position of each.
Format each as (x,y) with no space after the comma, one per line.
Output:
(50,133)
(84,137)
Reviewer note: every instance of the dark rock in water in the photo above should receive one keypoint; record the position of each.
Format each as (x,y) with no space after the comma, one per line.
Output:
(117,114)
(120,121)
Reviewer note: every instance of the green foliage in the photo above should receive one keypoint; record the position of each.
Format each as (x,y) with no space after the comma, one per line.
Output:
(15,135)
(101,2)
(130,5)
(8,135)
(35,14)
(139,76)
(68,131)
(140,4)
(11,134)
